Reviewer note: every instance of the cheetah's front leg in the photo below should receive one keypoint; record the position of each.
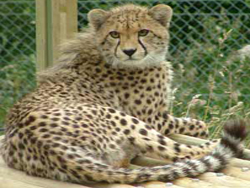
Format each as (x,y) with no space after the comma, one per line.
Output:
(168,124)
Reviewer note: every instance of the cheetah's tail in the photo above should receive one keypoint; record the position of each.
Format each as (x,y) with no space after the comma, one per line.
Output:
(230,146)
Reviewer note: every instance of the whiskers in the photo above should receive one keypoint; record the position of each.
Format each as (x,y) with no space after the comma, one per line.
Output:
(151,60)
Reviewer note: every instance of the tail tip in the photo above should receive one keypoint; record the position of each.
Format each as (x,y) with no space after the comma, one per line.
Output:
(236,128)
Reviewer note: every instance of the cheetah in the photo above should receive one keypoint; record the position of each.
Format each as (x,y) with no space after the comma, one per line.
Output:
(106,102)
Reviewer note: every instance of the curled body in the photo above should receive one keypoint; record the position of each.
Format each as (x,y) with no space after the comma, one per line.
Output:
(106,102)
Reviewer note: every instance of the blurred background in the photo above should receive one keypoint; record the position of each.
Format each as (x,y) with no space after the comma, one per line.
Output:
(209,50)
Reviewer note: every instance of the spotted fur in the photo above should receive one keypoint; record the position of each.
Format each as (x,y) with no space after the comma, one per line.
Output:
(105,102)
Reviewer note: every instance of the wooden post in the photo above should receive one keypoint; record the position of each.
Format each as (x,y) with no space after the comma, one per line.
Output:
(56,21)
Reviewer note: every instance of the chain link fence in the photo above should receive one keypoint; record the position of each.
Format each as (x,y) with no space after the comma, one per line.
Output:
(211,72)
(17,51)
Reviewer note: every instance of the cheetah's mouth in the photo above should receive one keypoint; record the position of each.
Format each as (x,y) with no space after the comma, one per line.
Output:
(132,59)
(148,60)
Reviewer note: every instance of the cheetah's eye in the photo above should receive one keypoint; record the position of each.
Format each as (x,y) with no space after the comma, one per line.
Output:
(143,32)
(114,34)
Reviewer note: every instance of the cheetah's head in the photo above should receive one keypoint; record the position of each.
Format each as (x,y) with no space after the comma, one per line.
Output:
(132,36)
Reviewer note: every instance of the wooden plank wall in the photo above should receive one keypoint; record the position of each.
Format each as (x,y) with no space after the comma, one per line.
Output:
(56,21)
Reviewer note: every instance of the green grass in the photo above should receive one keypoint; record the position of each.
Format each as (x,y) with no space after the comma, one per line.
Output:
(212,82)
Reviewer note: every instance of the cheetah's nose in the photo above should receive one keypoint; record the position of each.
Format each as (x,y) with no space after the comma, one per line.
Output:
(129,52)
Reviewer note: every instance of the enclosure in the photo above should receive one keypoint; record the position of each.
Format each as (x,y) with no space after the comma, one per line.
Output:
(209,51)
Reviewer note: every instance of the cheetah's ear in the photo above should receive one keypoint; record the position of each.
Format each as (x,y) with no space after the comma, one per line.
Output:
(162,13)
(97,17)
